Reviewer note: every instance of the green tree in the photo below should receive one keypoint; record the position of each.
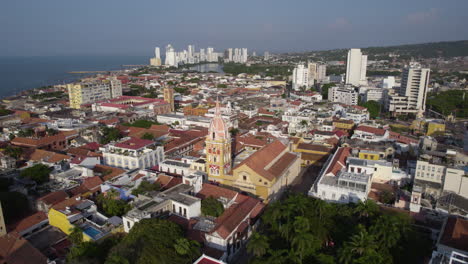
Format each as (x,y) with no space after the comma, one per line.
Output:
(39,173)
(110,134)
(76,235)
(14,152)
(154,241)
(325,88)
(373,107)
(258,245)
(111,205)
(146,186)
(147,136)
(212,207)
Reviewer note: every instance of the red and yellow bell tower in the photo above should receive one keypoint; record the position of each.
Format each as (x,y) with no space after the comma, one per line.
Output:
(218,149)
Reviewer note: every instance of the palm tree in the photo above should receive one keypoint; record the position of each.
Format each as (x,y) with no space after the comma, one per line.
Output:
(303,242)
(366,209)
(301,224)
(258,244)
(361,244)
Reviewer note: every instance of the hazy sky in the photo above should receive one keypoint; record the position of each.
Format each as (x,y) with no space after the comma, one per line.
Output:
(134,27)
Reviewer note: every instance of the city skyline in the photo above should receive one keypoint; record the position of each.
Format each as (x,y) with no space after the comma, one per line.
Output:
(59,28)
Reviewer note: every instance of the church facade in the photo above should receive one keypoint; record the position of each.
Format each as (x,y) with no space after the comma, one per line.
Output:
(266,173)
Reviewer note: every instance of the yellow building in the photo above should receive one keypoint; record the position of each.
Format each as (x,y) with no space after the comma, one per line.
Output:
(93,91)
(343,124)
(312,154)
(369,155)
(265,173)
(435,127)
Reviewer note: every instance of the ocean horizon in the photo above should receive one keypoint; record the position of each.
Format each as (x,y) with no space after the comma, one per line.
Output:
(20,73)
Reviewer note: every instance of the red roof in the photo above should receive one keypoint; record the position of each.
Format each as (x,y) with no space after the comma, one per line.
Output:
(134,143)
(229,221)
(30,221)
(210,190)
(339,160)
(53,197)
(371,130)
(455,233)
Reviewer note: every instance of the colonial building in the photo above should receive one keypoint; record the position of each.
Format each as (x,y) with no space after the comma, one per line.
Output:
(265,173)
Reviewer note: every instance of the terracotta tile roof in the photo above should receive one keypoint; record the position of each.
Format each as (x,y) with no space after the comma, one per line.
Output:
(282,164)
(251,140)
(134,143)
(72,201)
(114,172)
(92,182)
(229,221)
(210,190)
(164,128)
(53,197)
(48,156)
(30,221)
(14,249)
(91,146)
(38,142)
(371,130)
(313,147)
(339,160)
(455,233)
(265,156)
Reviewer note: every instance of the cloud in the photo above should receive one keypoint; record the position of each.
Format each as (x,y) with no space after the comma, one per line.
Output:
(422,17)
(340,23)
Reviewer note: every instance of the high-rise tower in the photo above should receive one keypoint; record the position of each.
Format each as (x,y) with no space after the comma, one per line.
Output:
(218,148)
(356,67)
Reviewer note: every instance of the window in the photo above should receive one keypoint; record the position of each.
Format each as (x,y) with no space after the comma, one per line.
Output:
(333,195)
(245,177)
(128,225)
(185,212)
(173,208)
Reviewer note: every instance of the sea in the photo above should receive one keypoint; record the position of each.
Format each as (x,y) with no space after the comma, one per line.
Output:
(23,73)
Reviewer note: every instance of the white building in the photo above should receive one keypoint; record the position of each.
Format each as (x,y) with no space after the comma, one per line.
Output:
(356,67)
(171,58)
(336,184)
(156,61)
(374,94)
(321,72)
(411,96)
(388,82)
(176,200)
(345,95)
(300,77)
(133,153)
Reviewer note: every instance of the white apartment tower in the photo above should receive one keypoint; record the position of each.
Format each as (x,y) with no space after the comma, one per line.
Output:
(356,67)
(156,61)
(300,77)
(414,82)
(171,57)
(321,72)
(244,55)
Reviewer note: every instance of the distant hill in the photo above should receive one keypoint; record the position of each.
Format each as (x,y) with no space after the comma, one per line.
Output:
(446,49)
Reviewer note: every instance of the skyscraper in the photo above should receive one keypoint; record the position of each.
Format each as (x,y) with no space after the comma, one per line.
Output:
(156,61)
(312,74)
(411,97)
(321,72)
(266,56)
(414,82)
(171,57)
(244,55)
(356,67)
(191,54)
(300,77)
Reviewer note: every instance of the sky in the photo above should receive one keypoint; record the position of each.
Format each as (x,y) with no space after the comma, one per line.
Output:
(135,27)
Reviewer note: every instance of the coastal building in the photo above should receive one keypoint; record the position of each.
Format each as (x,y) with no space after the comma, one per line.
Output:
(171,58)
(81,93)
(132,153)
(356,67)
(124,104)
(156,60)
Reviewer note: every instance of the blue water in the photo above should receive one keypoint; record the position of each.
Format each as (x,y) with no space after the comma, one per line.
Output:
(22,73)
(92,232)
